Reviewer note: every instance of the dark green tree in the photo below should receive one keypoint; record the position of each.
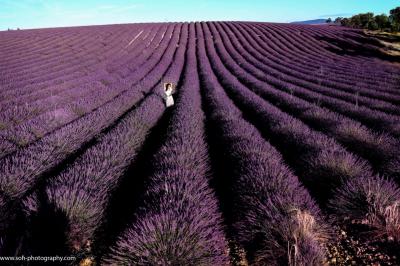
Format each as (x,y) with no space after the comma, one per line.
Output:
(338,20)
(364,20)
(395,18)
(382,21)
(371,22)
(345,22)
(372,25)
(355,21)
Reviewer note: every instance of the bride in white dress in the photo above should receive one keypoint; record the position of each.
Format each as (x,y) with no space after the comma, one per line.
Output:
(168,90)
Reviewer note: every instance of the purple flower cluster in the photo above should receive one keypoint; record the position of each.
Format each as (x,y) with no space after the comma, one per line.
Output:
(20,171)
(321,162)
(272,125)
(81,192)
(378,148)
(272,211)
(179,222)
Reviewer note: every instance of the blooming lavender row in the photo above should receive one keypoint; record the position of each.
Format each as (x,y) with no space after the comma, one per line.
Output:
(348,61)
(314,80)
(379,148)
(271,207)
(275,78)
(129,64)
(84,69)
(15,40)
(372,118)
(274,38)
(353,39)
(125,67)
(38,91)
(311,47)
(380,101)
(83,45)
(46,99)
(370,201)
(135,51)
(304,60)
(36,71)
(38,47)
(322,164)
(20,171)
(283,106)
(140,74)
(30,131)
(41,38)
(34,109)
(50,92)
(81,192)
(139,62)
(386,75)
(318,149)
(17,99)
(40,126)
(292,54)
(179,222)
(63,75)
(31,108)
(270,40)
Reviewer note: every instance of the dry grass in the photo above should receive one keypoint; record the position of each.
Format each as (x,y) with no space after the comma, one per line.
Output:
(387,222)
(390,40)
(87,262)
(306,227)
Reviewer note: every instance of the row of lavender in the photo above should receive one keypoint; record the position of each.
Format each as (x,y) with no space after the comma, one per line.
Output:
(39,90)
(47,119)
(27,121)
(329,171)
(178,222)
(378,147)
(75,192)
(262,206)
(310,79)
(272,213)
(21,170)
(303,41)
(64,54)
(290,144)
(353,99)
(270,205)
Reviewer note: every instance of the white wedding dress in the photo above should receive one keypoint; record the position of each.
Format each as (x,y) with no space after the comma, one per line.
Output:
(169,100)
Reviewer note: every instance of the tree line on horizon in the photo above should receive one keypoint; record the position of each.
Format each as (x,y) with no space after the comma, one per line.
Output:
(370,21)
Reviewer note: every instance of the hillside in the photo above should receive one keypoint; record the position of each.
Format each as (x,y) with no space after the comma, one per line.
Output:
(310,22)
(282,145)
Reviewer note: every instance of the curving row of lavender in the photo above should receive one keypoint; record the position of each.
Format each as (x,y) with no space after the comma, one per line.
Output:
(178,222)
(276,129)
(82,190)
(267,196)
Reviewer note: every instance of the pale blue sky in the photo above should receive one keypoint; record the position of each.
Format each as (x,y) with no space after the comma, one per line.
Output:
(27,14)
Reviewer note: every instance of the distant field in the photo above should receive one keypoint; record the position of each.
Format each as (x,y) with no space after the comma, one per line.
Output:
(282,147)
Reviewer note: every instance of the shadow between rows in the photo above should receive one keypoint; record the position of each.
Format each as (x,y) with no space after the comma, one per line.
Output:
(126,198)
(358,47)
(43,232)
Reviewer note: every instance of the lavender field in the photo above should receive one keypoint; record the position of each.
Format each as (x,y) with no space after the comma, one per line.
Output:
(282,147)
